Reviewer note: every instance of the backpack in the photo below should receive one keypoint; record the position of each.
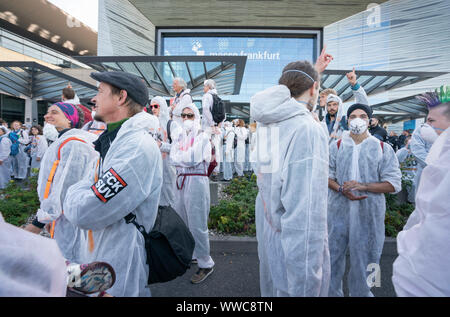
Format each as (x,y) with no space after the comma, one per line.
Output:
(217,109)
(14,143)
(169,245)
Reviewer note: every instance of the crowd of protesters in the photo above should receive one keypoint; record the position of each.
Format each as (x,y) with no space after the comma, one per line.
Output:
(322,171)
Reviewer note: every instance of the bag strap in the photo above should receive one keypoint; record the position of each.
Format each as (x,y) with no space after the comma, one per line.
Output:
(55,165)
(169,123)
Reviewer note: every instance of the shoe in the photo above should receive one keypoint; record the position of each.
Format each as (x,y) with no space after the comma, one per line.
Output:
(194,261)
(201,275)
(90,278)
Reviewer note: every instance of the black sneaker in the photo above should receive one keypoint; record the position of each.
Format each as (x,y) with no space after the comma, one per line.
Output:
(201,275)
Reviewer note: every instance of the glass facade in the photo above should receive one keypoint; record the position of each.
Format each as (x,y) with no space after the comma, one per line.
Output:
(12,108)
(29,48)
(266,56)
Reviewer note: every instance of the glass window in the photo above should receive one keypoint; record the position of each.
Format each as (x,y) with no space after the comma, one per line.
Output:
(12,108)
(266,57)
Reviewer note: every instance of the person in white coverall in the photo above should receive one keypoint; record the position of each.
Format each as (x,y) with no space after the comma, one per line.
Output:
(20,161)
(292,176)
(241,135)
(38,147)
(362,169)
(228,150)
(30,265)
(181,100)
(76,159)
(160,109)
(127,180)
(191,155)
(421,268)
(5,163)
(421,142)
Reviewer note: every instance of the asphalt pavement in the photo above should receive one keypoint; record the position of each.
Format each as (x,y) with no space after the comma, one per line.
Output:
(236,272)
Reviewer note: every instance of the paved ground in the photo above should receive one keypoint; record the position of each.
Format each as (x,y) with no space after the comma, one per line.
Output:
(236,273)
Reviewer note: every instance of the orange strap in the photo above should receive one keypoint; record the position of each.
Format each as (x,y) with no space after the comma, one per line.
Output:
(91,244)
(52,175)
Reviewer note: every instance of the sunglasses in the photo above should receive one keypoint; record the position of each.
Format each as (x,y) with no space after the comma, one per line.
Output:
(154,106)
(188,115)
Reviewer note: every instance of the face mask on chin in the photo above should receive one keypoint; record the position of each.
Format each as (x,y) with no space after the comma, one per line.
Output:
(49,131)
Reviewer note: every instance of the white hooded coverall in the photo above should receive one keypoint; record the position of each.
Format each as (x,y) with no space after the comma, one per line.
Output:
(77,160)
(129,181)
(291,207)
(358,225)
(191,155)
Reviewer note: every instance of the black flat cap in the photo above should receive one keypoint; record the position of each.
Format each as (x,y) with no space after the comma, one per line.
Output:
(134,85)
(364,108)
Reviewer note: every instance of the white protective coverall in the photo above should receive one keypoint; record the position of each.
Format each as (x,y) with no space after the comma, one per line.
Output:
(191,154)
(358,226)
(30,265)
(241,134)
(129,181)
(421,268)
(77,160)
(291,208)
(217,143)
(228,162)
(38,147)
(207,103)
(253,151)
(20,162)
(420,148)
(179,103)
(408,165)
(169,188)
(5,167)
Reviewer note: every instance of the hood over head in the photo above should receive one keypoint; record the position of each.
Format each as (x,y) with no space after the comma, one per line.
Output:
(275,104)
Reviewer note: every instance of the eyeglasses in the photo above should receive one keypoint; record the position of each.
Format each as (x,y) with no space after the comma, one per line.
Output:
(154,106)
(188,115)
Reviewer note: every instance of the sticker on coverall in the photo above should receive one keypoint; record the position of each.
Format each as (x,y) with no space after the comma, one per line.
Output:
(108,186)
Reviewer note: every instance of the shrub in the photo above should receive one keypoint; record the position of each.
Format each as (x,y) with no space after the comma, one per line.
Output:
(18,203)
(236,213)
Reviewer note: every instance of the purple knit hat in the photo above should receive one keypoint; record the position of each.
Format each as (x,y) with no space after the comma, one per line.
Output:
(70,112)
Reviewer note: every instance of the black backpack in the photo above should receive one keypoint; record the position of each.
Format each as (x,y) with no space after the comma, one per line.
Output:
(217,109)
(169,246)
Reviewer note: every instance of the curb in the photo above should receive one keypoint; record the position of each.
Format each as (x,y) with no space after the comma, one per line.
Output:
(253,239)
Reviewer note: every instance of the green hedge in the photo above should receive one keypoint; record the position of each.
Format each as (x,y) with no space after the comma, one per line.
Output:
(236,214)
(19,201)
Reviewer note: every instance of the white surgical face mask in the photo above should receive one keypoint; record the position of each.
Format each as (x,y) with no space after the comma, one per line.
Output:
(93,115)
(358,126)
(50,132)
(188,124)
(428,133)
